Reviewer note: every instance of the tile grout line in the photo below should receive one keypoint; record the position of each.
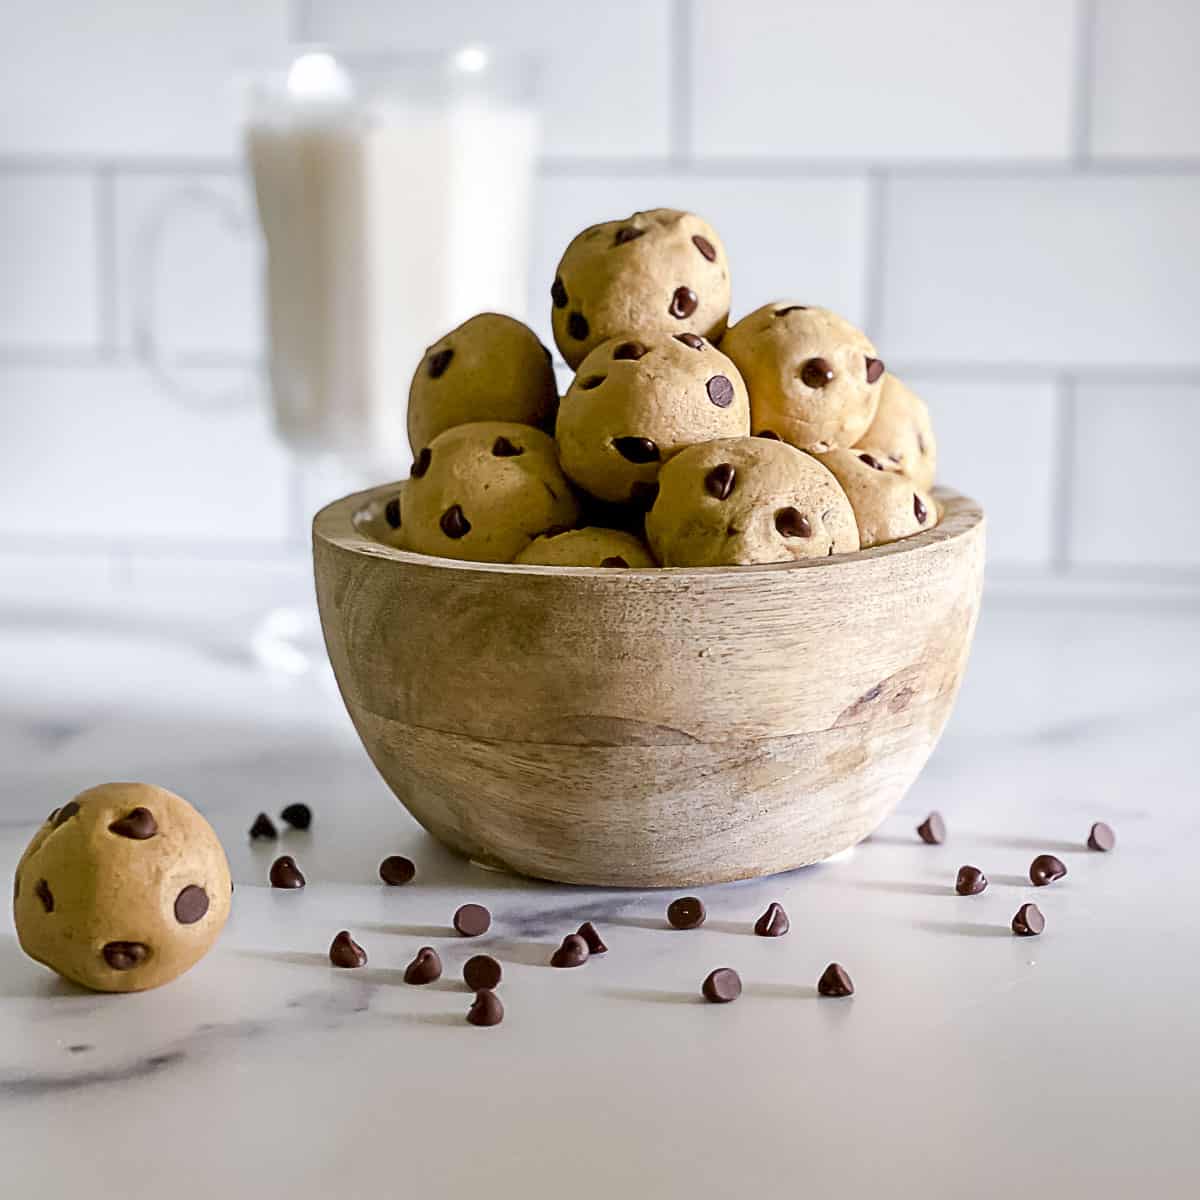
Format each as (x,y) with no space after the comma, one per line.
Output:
(679,84)
(1083,84)
(106,261)
(1066,425)
(875,250)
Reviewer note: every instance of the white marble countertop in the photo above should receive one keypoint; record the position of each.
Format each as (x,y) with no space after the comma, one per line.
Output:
(969,1063)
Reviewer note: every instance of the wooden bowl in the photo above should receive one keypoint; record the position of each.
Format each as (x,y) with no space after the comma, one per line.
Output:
(648,728)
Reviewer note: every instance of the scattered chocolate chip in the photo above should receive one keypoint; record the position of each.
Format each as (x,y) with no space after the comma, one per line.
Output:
(722,985)
(138,824)
(774,922)
(694,340)
(425,968)
(482,973)
(684,302)
(718,483)
(970,881)
(397,870)
(263,827)
(285,873)
(769,434)
(558,292)
(874,369)
(298,816)
(1029,921)
(629,350)
(591,935)
(592,381)
(421,463)
(454,522)
(191,904)
(42,891)
(486,1009)
(783,312)
(643,494)
(344,951)
(613,560)
(64,814)
(720,391)
(792,524)
(1101,837)
(124,956)
(871,462)
(578,327)
(1046,869)
(439,362)
(627,233)
(835,982)
(932,830)
(686,913)
(503,448)
(636,449)
(391,512)
(472,919)
(816,373)
(572,953)
(705,247)
(919,510)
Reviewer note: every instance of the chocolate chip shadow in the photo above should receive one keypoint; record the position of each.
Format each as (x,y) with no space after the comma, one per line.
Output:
(905,888)
(653,995)
(966,928)
(1034,844)
(416,931)
(783,991)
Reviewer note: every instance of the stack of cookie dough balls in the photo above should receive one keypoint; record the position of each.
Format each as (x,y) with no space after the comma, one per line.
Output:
(682,441)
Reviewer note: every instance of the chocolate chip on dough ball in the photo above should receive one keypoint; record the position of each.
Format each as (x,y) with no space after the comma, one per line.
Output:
(122,889)
(747,500)
(589,547)
(634,403)
(903,432)
(887,505)
(656,272)
(483,492)
(491,368)
(814,379)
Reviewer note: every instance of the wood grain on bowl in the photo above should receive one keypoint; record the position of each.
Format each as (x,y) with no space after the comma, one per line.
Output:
(649,728)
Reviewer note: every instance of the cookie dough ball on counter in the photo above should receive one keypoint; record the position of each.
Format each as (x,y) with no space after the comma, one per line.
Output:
(903,433)
(887,504)
(635,403)
(589,547)
(122,889)
(482,492)
(747,500)
(814,379)
(491,368)
(656,272)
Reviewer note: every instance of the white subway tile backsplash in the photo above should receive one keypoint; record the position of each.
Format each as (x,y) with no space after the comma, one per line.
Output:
(606,72)
(48,261)
(1146,517)
(1146,89)
(873,78)
(1090,270)
(103,455)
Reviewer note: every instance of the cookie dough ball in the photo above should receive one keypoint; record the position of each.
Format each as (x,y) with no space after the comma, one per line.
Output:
(635,403)
(903,432)
(491,368)
(483,492)
(655,273)
(122,889)
(814,379)
(887,504)
(747,500)
(589,547)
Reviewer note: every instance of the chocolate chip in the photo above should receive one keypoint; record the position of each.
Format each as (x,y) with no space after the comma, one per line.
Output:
(503,448)
(970,882)
(285,873)
(783,312)
(572,953)
(425,968)
(263,827)
(482,973)
(769,435)
(874,369)
(1101,837)
(636,449)
(835,982)
(298,816)
(472,919)
(454,522)
(591,935)
(705,247)
(627,233)
(64,814)
(919,510)
(138,824)
(629,350)
(643,494)
(694,340)
(486,1009)
(683,303)
(1046,869)
(397,870)
(1028,921)
(932,830)
(792,523)
(873,463)
(722,985)
(42,891)
(686,913)
(816,373)
(773,923)
(577,326)
(124,956)
(439,362)
(391,512)
(592,381)
(614,560)
(421,463)
(720,391)
(344,951)
(718,483)
(191,904)
(558,292)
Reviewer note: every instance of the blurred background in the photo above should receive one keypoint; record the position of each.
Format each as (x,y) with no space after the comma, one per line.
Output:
(1006,196)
